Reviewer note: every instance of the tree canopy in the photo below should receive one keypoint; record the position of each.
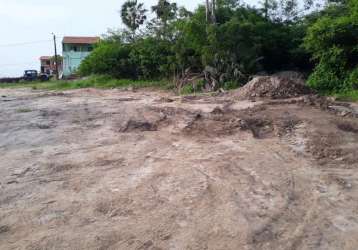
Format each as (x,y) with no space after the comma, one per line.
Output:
(231,41)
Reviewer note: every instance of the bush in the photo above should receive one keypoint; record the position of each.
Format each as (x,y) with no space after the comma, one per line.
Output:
(352,79)
(330,73)
(150,57)
(110,58)
(325,79)
(333,40)
(192,88)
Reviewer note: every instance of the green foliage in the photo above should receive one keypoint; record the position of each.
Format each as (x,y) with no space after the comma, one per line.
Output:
(150,57)
(23,110)
(145,58)
(165,10)
(109,58)
(166,13)
(288,10)
(190,42)
(193,88)
(325,79)
(133,14)
(351,81)
(347,95)
(231,85)
(93,81)
(332,40)
(227,42)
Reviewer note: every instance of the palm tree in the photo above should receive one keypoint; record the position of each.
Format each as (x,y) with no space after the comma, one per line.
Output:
(133,15)
(165,11)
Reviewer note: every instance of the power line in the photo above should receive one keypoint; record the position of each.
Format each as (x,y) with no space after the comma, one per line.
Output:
(15,64)
(24,43)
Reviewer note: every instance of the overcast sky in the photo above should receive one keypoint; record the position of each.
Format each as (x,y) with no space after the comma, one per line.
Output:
(26,27)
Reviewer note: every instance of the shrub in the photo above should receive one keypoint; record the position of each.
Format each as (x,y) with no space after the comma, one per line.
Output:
(192,88)
(352,79)
(150,57)
(333,40)
(110,58)
(325,79)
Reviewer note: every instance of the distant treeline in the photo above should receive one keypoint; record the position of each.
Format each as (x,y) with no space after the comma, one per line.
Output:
(224,42)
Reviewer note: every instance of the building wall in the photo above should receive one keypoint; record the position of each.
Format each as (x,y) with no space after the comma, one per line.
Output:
(73,55)
(48,66)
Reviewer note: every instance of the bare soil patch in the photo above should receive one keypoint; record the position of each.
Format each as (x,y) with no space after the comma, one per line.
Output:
(113,169)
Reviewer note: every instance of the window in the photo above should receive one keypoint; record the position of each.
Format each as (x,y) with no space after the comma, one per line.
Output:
(90,48)
(74,48)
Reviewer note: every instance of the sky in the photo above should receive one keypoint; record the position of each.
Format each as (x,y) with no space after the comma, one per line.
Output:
(26,27)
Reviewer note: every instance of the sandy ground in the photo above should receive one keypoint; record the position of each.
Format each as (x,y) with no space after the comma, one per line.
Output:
(112,169)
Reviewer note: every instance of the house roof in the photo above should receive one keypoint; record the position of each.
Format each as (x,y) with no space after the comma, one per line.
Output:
(45,57)
(80,39)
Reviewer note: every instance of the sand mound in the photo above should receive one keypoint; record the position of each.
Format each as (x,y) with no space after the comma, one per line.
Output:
(281,85)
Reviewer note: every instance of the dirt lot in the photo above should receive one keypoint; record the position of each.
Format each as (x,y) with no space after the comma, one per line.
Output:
(112,169)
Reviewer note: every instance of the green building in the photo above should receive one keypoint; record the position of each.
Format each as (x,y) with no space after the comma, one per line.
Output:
(74,50)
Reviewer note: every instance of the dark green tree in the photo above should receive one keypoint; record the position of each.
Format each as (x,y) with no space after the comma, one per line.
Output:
(133,15)
(165,14)
(332,40)
(165,11)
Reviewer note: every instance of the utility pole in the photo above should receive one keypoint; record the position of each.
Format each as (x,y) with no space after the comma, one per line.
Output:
(56,60)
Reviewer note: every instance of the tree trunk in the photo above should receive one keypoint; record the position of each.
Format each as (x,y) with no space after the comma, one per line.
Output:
(213,7)
(207,8)
(266,9)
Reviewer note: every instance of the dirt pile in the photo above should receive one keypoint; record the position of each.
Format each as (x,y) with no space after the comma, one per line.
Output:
(278,86)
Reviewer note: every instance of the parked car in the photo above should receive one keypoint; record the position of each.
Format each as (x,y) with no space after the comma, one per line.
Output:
(30,75)
(44,77)
(33,75)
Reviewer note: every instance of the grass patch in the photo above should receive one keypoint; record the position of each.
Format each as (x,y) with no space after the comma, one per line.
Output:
(192,88)
(198,87)
(96,81)
(350,96)
(24,110)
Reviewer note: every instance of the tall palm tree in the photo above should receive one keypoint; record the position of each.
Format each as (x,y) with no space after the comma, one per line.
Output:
(165,10)
(133,15)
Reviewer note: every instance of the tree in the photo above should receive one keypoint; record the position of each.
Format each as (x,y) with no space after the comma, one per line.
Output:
(150,57)
(133,15)
(332,40)
(231,4)
(287,10)
(165,12)
(227,42)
